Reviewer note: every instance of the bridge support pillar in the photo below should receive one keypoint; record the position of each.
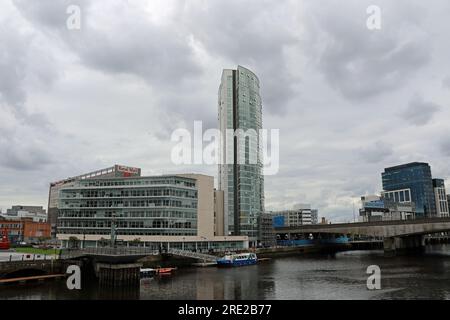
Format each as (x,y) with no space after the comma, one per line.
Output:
(118,274)
(393,245)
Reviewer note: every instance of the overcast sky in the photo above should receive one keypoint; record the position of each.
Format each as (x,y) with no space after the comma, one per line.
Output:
(348,101)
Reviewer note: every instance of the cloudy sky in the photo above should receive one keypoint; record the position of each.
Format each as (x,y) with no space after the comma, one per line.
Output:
(348,101)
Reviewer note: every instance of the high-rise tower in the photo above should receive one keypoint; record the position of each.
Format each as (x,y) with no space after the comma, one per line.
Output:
(240,169)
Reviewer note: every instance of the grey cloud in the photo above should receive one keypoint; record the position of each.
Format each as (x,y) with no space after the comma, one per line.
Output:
(376,152)
(446,83)
(445,146)
(419,112)
(123,41)
(358,62)
(254,35)
(21,150)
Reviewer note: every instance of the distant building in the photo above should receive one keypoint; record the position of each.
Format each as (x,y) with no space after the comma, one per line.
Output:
(440,195)
(411,183)
(302,214)
(448,201)
(35,213)
(25,230)
(377,208)
(314,216)
(267,235)
(55,187)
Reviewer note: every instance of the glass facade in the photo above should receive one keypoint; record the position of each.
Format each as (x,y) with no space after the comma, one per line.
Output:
(413,183)
(147,206)
(240,174)
(441,198)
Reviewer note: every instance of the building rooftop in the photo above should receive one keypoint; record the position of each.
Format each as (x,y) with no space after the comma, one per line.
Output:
(407,165)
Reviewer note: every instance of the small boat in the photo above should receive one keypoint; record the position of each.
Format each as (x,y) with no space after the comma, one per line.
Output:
(164,271)
(237,260)
(147,273)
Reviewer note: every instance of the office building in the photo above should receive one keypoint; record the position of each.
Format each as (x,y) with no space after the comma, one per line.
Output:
(411,182)
(173,211)
(448,201)
(314,216)
(35,213)
(55,187)
(267,236)
(377,208)
(302,214)
(440,195)
(240,169)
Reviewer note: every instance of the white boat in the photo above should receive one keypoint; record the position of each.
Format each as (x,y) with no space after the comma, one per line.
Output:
(238,259)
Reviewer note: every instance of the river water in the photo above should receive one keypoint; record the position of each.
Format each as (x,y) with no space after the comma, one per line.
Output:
(339,276)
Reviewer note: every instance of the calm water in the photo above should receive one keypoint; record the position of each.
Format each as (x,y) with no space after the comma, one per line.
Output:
(342,276)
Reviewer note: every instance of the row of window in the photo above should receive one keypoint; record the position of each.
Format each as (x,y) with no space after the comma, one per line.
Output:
(132,182)
(131,203)
(106,233)
(155,224)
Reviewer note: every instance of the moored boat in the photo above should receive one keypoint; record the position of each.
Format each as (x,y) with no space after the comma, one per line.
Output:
(237,260)
(147,273)
(165,271)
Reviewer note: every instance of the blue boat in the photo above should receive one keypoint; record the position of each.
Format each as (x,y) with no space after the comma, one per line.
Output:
(238,260)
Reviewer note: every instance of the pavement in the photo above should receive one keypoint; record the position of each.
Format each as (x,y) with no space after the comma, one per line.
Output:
(14,256)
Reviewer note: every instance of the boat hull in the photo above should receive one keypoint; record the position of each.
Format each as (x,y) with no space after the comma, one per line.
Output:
(239,263)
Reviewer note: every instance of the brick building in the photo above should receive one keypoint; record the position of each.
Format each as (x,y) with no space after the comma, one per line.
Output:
(25,230)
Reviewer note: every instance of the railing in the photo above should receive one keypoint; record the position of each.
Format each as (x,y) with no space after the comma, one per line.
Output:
(107,251)
(191,254)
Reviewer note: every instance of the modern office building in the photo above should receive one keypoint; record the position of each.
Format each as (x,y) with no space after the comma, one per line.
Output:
(35,213)
(441,198)
(448,201)
(377,208)
(301,215)
(267,236)
(240,169)
(411,182)
(173,211)
(55,187)
(314,216)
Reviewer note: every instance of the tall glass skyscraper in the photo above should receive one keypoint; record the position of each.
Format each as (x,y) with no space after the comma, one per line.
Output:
(411,182)
(240,169)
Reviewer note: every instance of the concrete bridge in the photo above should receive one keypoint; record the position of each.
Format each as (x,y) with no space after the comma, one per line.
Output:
(404,234)
(13,269)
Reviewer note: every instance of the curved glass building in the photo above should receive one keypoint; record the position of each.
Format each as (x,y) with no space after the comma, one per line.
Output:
(240,168)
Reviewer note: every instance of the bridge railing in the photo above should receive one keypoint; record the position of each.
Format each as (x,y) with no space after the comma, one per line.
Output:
(191,254)
(107,251)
